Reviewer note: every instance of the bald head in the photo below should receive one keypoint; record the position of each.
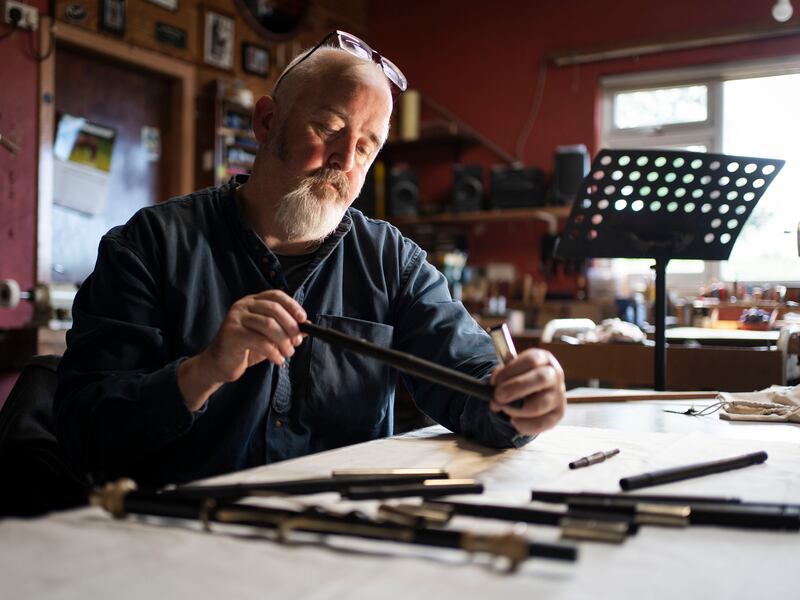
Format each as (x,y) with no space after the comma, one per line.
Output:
(313,74)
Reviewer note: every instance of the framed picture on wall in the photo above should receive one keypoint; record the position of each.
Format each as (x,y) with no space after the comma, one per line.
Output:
(218,40)
(255,59)
(112,16)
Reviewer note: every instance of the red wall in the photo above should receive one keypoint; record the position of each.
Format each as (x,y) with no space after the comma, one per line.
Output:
(481,61)
(18,119)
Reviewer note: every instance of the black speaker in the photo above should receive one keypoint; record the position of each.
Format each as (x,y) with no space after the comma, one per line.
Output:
(402,192)
(571,166)
(467,188)
(517,187)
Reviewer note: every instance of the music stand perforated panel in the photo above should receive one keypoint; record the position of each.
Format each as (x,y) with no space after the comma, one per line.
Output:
(664,203)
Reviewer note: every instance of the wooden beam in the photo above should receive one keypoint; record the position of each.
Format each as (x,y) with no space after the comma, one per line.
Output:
(581,56)
(47,119)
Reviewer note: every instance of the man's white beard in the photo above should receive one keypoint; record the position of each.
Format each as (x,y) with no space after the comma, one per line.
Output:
(311,211)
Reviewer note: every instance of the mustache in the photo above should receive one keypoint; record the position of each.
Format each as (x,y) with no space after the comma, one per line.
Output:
(333,176)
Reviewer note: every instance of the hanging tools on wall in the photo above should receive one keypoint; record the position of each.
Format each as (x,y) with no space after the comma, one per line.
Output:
(9,144)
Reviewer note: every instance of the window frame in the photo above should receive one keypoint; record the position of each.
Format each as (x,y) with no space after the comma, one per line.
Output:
(622,136)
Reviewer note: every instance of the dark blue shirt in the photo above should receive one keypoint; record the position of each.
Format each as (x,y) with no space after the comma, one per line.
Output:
(161,287)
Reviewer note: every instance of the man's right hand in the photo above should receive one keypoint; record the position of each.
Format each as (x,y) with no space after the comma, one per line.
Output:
(260,327)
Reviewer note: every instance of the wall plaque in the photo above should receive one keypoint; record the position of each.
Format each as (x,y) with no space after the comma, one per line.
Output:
(169,34)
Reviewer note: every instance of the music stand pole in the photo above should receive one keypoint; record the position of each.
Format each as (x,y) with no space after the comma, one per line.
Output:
(660,366)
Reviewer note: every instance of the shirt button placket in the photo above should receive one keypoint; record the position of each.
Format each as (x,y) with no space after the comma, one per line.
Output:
(281,403)
(283,392)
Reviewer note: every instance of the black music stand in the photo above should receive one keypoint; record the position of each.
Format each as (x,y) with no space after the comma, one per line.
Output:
(664,204)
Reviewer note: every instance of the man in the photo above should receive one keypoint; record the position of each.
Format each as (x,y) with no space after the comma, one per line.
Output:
(185,359)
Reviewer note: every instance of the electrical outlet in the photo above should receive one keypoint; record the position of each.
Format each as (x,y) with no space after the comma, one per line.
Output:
(24,15)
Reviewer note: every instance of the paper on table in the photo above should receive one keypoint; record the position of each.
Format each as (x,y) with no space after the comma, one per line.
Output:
(543,463)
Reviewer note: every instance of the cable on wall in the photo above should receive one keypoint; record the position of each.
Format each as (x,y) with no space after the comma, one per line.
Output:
(536,104)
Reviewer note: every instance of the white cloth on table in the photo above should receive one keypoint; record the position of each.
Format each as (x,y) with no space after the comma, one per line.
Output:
(777,403)
(612,331)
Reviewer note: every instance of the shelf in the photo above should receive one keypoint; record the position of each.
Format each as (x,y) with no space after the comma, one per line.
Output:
(236,164)
(239,109)
(545,213)
(402,148)
(231,171)
(224,129)
(252,148)
(232,132)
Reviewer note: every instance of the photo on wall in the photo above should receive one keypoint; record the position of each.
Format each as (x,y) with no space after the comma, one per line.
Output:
(255,59)
(112,16)
(218,40)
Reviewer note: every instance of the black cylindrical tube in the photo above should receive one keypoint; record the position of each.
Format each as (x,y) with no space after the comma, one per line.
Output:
(502,513)
(529,515)
(370,492)
(404,362)
(563,497)
(746,517)
(690,471)
(297,487)
(444,538)
(739,516)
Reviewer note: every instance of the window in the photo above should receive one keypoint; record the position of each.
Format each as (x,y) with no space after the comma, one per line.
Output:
(747,109)
(761,118)
(659,107)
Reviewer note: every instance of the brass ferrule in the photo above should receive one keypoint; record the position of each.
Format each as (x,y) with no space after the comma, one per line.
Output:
(111,497)
(612,532)
(510,546)
(666,515)
(412,515)
(286,527)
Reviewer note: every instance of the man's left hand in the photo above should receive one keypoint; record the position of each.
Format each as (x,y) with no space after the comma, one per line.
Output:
(537,380)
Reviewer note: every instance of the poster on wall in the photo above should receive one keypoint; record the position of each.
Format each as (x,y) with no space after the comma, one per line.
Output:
(82,164)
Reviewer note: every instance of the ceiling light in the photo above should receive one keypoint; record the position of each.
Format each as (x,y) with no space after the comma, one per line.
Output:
(782,11)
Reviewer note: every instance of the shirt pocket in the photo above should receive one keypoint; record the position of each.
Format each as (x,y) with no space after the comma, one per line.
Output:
(348,392)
